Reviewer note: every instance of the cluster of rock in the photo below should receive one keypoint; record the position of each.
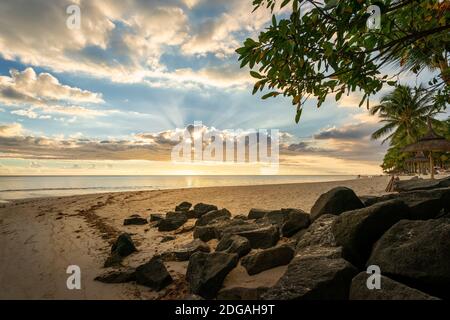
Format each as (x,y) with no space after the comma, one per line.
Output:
(327,252)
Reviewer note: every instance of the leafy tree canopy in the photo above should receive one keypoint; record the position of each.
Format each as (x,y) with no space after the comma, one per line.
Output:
(324,48)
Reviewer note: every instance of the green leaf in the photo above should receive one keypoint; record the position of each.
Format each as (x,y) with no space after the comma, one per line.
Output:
(299,114)
(256,75)
(270,94)
(338,95)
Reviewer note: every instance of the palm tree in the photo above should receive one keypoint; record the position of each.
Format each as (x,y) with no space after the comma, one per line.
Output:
(404,113)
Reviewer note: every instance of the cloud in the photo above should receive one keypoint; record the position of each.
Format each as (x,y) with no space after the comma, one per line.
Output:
(31,88)
(123,41)
(11,130)
(347,132)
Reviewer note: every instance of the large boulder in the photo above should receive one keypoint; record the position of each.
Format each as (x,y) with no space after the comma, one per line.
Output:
(155,217)
(153,274)
(241,293)
(124,245)
(234,244)
(260,236)
(215,230)
(295,221)
(213,216)
(184,206)
(117,276)
(318,234)
(336,201)
(121,248)
(417,253)
(314,277)
(173,221)
(268,259)
(207,271)
(389,290)
(257,213)
(357,231)
(422,184)
(423,204)
(202,208)
(135,219)
(186,251)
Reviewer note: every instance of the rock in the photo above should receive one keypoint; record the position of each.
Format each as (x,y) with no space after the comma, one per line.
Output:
(422,184)
(135,220)
(234,244)
(202,208)
(423,204)
(153,274)
(275,217)
(369,200)
(357,231)
(335,201)
(167,238)
(184,206)
(187,250)
(205,233)
(156,217)
(417,253)
(213,216)
(207,271)
(257,213)
(314,277)
(390,290)
(260,236)
(124,245)
(191,214)
(240,217)
(185,229)
(295,221)
(241,293)
(173,221)
(318,234)
(267,259)
(215,230)
(119,276)
(113,260)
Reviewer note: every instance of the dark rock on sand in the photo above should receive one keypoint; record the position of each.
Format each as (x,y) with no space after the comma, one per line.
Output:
(268,259)
(260,236)
(357,231)
(423,204)
(257,213)
(184,206)
(240,217)
(318,234)
(213,216)
(154,217)
(314,277)
(186,251)
(389,290)
(202,208)
(234,244)
(215,230)
(295,220)
(153,274)
(336,201)
(135,219)
(173,221)
(207,271)
(119,276)
(241,293)
(421,184)
(417,253)
(124,245)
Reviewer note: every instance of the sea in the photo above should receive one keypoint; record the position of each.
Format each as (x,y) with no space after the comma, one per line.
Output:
(22,187)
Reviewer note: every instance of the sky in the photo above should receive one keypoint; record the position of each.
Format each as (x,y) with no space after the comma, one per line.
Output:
(107,98)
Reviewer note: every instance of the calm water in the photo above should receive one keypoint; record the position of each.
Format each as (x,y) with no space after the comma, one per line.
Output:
(19,187)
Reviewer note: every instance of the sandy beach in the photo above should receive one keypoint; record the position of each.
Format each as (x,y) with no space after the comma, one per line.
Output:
(40,238)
